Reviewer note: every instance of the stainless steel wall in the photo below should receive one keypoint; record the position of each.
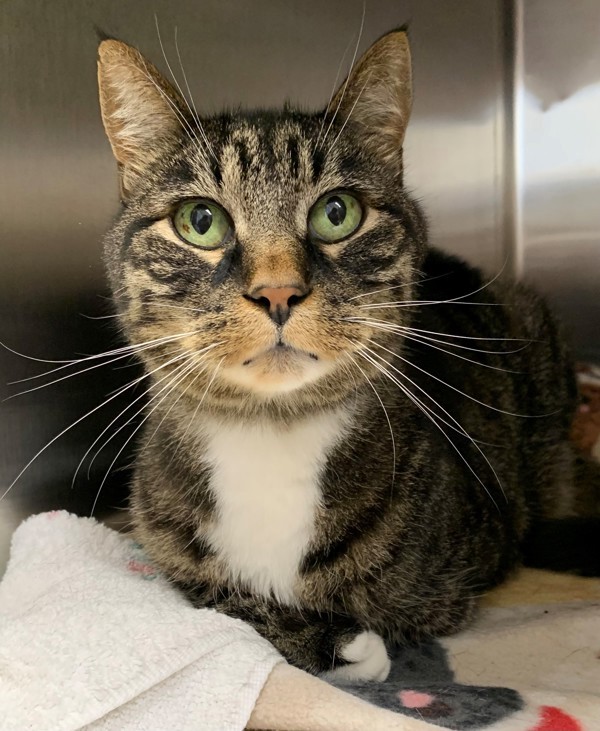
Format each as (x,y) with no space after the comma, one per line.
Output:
(58,185)
(558,160)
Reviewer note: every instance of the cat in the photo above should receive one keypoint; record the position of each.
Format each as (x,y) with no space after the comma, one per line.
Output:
(350,433)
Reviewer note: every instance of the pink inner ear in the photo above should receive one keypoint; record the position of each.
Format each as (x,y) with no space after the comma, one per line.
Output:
(414,699)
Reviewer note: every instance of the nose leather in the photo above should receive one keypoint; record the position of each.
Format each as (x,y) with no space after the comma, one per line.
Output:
(278,301)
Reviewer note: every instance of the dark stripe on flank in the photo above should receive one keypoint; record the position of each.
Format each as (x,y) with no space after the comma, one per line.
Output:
(330,554)
(183,532)
(200,594)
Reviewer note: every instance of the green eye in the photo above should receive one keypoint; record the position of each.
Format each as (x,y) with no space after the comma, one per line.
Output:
(335,216)
(202,223)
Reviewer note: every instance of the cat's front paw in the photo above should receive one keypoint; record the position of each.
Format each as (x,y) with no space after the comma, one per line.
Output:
(366,659)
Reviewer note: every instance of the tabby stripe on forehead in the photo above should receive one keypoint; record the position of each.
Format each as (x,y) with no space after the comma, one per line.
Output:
(244,157)
(215,168)
(182,171)
(318,159)
(294,155)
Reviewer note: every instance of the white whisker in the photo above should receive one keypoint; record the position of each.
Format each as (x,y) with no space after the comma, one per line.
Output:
(430,417)
(471,337)
(69,375)
(463,393)
(424,341)
(399,286)
(424,303)
(174,372)
(64,431)
(404,331)
(460,430)
(195,412)
(183,96)
(463,431)
(98,317)
(185,124)
(343,127)
(386,417)
(192,106)
(453,300)
(30,357)
(174,307)
(335,83)
(360,32)
(171,385)
(123,352)
(201,371)
(180,356)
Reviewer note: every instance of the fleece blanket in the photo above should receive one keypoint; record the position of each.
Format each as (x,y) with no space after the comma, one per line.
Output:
(531,662)
(92,637)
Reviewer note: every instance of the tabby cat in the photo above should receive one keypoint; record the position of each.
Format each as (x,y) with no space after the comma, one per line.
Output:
(350,433)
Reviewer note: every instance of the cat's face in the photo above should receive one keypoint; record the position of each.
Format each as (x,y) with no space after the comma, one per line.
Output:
(259,238)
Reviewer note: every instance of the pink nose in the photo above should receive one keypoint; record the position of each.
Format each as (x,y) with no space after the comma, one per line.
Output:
(278,301)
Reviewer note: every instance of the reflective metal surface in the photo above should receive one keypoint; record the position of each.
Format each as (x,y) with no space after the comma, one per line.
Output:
(58,187)
(559,160)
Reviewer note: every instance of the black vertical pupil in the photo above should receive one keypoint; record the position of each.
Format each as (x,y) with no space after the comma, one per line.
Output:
(201,218)
(335,209)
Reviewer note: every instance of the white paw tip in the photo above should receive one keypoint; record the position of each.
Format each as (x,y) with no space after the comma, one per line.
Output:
(367,659)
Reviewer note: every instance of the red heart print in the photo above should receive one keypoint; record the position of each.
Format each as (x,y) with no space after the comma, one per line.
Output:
(553,719)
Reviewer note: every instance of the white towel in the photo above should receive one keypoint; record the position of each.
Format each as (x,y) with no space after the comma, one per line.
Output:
(91,637)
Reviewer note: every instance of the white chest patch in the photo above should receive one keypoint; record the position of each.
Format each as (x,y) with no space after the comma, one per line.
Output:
(265,481)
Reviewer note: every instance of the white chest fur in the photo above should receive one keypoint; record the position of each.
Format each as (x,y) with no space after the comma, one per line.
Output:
(265,481)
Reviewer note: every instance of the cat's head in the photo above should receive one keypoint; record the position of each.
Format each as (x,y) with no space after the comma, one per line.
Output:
(253,243)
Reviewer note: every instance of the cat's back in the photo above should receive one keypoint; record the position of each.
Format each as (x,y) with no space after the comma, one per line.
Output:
(496,321)
(490,352)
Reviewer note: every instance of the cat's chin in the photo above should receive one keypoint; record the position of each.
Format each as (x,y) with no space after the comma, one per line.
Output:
(278,370)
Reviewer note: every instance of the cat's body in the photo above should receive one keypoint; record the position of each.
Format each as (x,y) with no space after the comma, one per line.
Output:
(312,512)
(286,478)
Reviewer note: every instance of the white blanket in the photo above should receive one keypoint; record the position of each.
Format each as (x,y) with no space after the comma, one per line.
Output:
(91,637)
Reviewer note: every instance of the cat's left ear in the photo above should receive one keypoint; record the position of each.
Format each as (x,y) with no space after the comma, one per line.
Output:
(141,111)
(376,98)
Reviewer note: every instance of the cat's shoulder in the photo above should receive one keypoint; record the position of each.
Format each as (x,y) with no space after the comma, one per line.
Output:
(447,277)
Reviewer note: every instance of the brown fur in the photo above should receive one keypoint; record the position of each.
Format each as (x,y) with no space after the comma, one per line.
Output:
(414,519)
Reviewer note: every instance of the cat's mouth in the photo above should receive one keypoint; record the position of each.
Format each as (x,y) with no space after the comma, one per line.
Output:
(279,368)
(280,354)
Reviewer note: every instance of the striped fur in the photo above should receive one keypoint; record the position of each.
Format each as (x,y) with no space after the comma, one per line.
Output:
(299,488)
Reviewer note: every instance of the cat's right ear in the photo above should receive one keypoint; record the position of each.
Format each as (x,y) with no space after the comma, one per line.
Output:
(141,111)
